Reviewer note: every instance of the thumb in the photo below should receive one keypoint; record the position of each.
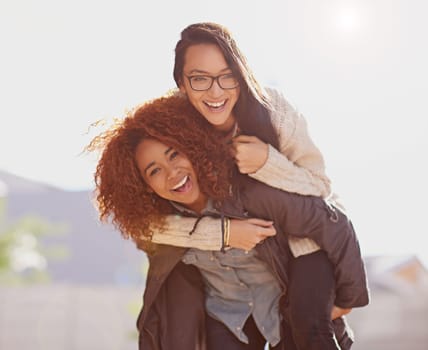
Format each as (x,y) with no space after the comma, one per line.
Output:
(260,222)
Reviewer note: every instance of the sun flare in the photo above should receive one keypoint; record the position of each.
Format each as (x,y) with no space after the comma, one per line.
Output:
(348,20)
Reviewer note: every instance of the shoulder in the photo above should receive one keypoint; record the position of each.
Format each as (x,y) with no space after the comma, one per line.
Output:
(278,101)
(283,114)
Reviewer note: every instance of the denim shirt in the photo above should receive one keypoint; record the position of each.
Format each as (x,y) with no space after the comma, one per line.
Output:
(238,284)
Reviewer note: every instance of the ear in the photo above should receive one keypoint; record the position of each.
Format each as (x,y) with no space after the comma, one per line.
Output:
(182,88)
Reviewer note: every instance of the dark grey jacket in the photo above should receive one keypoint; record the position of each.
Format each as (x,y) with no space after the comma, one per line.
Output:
(173,313)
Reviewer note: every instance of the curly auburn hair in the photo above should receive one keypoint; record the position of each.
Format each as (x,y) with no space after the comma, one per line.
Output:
(122,195)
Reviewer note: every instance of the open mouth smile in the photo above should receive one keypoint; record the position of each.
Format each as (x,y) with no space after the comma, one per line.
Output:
(183,185)
(215,105)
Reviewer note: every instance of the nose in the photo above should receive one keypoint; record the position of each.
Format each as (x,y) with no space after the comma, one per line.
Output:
(215,89)
(172,171)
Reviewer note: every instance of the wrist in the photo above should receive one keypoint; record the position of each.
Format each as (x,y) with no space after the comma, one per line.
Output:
(225,231)
(264,158)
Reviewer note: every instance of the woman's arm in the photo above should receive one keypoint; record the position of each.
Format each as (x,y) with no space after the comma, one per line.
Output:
(244,234)
(298,166)
(176,232)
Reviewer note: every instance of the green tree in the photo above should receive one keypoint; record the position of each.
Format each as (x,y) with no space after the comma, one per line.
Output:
(23,255)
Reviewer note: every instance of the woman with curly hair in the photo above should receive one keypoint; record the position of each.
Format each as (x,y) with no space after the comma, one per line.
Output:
(122,193)
(164,159)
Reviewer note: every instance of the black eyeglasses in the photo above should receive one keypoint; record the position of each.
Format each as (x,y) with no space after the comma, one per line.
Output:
(204,82)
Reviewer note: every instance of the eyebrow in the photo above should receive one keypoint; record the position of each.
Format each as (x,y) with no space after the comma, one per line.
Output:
(153,163)
(198,71)
(148,166)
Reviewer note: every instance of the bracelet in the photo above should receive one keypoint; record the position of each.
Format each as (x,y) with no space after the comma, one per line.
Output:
(226,232)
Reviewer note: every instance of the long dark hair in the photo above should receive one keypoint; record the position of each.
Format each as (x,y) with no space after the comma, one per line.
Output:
(252,108)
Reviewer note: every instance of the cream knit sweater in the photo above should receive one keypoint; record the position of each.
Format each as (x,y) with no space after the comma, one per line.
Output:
(297,167)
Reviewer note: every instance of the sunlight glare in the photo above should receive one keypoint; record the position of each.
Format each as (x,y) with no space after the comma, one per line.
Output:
(348,20)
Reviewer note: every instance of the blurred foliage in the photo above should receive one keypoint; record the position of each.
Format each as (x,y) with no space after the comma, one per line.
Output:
(23,255)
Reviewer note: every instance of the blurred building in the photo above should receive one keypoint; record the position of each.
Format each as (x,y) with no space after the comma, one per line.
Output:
(397,317)
(69,317)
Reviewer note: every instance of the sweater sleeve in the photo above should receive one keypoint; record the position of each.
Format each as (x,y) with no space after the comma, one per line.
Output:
(176,232)
(298,166)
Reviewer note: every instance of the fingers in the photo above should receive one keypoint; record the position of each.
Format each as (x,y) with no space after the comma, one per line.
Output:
(268,232)
(233,151)
(237,154)
(260,222)
(245,139)
(250,153)
(246,234)
(239,148)
(261,241)
(266,228)
(339,312)
(262,235)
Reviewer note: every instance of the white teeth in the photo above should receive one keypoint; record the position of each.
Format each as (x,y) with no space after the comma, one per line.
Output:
(216,104)
(181,183)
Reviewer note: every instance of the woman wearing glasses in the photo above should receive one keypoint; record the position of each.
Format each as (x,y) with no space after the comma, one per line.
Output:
(270,143)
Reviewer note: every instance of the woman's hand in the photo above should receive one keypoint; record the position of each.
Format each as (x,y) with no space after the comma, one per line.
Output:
(246,234)
(338,312)
(250,153)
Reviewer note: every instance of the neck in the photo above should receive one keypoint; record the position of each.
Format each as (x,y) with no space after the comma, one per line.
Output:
(227,125)
(199,205)
(230,132)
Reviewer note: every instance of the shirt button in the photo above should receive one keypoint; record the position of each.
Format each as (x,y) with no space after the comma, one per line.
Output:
(228,268)
(246,252)
(241,284)
(212,258)
(250,304)
(238,328)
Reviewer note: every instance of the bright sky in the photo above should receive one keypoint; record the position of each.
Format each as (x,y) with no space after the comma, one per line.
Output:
(356,69)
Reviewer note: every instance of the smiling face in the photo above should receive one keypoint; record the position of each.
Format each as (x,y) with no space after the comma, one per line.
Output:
(169,174)
(215,104)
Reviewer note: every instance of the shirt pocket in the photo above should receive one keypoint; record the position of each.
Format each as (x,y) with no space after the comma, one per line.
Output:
(189,259)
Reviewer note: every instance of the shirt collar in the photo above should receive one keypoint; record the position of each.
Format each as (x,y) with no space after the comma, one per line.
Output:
(209,208)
